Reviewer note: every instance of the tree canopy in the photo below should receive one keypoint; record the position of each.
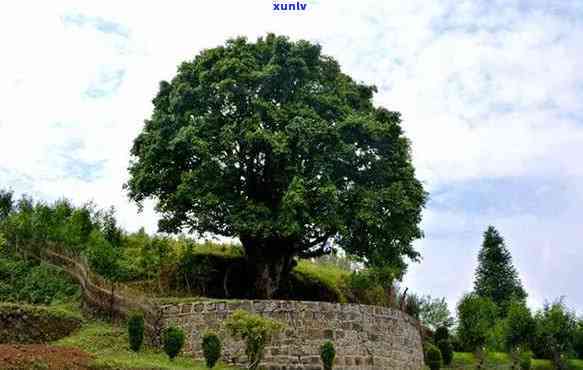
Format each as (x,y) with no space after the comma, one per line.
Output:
(271,143)
(496,276)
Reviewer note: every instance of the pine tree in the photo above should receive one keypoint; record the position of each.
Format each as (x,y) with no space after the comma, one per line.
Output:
(496,277)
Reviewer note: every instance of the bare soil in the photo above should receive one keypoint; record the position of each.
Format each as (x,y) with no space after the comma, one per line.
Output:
(41,356)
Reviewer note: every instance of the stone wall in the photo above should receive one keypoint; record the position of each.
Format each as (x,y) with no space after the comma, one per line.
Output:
(365,337)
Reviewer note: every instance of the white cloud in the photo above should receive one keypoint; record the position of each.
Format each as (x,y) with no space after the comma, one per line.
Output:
(486,89)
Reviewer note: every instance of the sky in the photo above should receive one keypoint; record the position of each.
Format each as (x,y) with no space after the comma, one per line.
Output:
(490,92)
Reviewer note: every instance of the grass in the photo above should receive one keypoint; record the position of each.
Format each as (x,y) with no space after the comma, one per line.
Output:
(109,345)
(333,277)
(464,360)
(61,311)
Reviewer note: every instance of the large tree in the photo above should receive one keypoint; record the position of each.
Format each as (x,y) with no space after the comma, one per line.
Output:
(496,276)
(271,143)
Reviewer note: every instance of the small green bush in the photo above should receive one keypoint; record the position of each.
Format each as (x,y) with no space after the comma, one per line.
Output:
(446,349)
(211,349)
(136,330)
(255,330)
(433,357)
(442,333)
(173,340)
(525,361)
(327,354)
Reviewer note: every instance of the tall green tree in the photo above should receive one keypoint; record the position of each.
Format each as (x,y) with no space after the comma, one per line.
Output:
(496,277)
(6,203)
(271,143)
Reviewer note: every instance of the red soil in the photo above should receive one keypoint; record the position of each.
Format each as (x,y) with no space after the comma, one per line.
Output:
(39,356)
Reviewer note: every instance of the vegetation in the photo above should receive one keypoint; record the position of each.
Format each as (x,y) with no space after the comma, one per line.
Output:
(446,350)
(327,354)
(109,345)
(476,315)
(271,143)
(136,330)
(555,331)
(22,323)
(211,349)
(496,277)
(434,313)
(173,341)
(34,283)
(255,330)
(433,357)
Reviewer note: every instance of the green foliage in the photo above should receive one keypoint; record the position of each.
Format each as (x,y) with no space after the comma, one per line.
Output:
(6,203)
(211,349)
(372,285)
(270,142)
(442,333)
(476,315)
(496,277)
(578,340)
(434,313)
(556,326)
(525,361)
(446,349)
(173,341)
(255,330)
(413,305)
(496,338)
(519,327)
(29,282)
(433,357)
(104,258)
(327,354)
(136,330)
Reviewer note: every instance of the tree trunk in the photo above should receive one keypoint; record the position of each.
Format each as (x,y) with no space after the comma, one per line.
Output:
(268,266)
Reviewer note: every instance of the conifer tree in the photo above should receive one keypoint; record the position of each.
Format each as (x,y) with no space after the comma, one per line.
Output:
(496,277)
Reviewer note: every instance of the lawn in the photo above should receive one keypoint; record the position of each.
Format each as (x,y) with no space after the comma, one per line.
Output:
(109,345)
(495,360)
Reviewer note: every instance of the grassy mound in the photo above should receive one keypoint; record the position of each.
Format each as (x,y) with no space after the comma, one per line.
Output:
(35,324)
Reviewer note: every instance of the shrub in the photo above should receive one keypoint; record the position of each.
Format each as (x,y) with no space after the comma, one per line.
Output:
(525,361)
(446,350)
(327,354)
(433,357)
(442,333)
(255,330)
(556,326)
(476,317)
(173,340)
(136,330)
(211,349)
(520,325)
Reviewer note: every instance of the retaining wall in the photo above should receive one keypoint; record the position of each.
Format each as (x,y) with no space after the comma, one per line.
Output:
(365,337)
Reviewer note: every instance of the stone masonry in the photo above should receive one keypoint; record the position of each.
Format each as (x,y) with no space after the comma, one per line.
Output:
(365,337)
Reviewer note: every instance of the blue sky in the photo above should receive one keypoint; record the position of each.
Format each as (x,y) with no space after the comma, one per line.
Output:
(491,94)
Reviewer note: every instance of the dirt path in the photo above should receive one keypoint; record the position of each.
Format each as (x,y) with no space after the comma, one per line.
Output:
(40,356)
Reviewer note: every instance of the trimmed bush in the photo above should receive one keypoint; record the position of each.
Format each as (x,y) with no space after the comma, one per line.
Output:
(442,333)
(327,354)
(136,330)
(255,330)
(173,340)
(433,356)
(525,361)
(446,349)
(211,349)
